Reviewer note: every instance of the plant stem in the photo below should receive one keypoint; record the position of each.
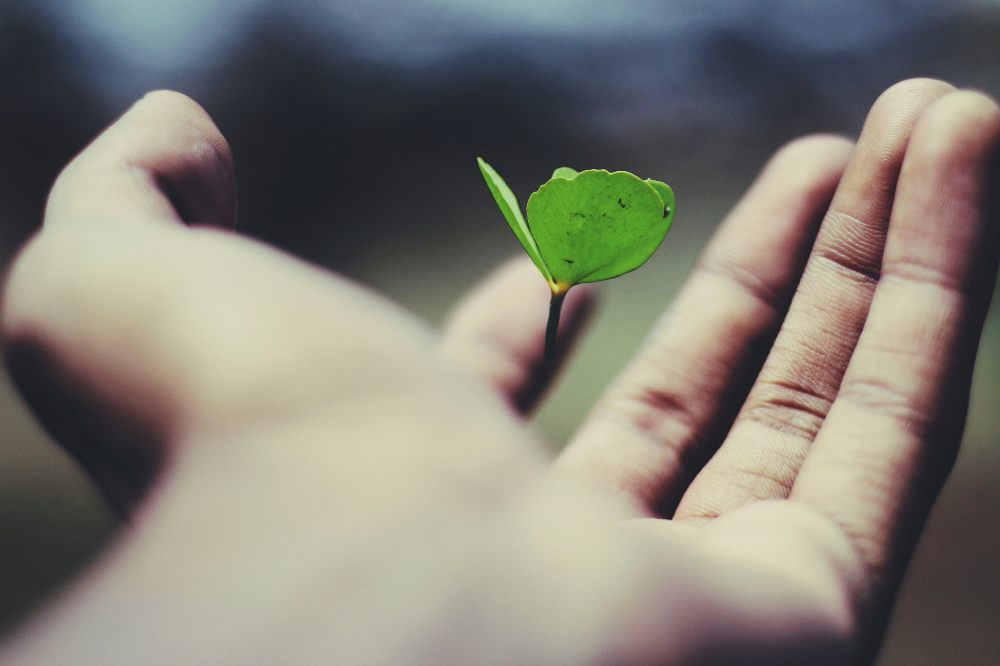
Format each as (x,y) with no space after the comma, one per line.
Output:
(555,309)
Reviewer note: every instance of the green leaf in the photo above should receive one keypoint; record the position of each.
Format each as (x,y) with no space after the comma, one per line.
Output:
(565,172)
(667,197)
(512,213)
(585,227)
(598,225)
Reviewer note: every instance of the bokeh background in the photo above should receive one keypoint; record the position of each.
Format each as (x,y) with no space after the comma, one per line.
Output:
(355,124)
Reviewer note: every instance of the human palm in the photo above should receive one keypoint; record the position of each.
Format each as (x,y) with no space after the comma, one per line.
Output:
(313,476)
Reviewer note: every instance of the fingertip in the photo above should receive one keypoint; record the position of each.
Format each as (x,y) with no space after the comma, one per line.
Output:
(812,164)
(783,208)
(958,123)
(835,148)
(497,332)
(193,162)
(943,223)
(909,91)
(890,122)
(172,102)
(163,158)
(956,141)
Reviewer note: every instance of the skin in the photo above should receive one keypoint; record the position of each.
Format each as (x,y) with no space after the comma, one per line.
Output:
(300,491)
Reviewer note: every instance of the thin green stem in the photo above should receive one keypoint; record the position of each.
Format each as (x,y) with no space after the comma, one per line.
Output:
(552,329)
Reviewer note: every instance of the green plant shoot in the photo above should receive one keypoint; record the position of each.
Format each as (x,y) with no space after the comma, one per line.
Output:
(585,226)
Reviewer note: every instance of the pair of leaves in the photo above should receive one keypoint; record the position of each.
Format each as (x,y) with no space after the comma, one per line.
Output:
(589,225)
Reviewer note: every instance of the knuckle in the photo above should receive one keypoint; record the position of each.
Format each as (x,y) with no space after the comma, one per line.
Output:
(20,287)
(788,406)
(75,274)
(921,272)
(745,279)
(883,396)
(669,420)
(650,407)
(120,297)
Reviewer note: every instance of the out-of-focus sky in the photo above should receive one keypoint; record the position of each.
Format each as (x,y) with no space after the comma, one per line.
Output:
(329,105)
(660,54)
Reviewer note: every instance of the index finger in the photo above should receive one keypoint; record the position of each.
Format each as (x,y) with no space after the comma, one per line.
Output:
(72,333)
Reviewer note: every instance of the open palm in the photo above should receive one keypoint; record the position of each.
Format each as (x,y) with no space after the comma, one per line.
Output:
(314,477)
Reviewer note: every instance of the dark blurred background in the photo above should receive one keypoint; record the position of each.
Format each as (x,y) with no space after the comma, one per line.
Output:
(356,124)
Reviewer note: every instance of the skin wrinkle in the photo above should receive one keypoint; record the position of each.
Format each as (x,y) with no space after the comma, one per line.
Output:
(938,218)
(746,279)
(679,429)
(789,407)
(839,259)
(854,239)
(880,396)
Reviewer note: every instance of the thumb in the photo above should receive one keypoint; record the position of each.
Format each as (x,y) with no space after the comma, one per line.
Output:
(163,159)
(162,163)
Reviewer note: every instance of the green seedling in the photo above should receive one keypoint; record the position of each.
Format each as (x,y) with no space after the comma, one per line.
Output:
(585,226)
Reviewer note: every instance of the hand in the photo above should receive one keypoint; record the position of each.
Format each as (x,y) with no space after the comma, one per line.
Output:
(312,476)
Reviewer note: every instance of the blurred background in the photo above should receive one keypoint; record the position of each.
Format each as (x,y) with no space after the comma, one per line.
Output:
(356,125)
